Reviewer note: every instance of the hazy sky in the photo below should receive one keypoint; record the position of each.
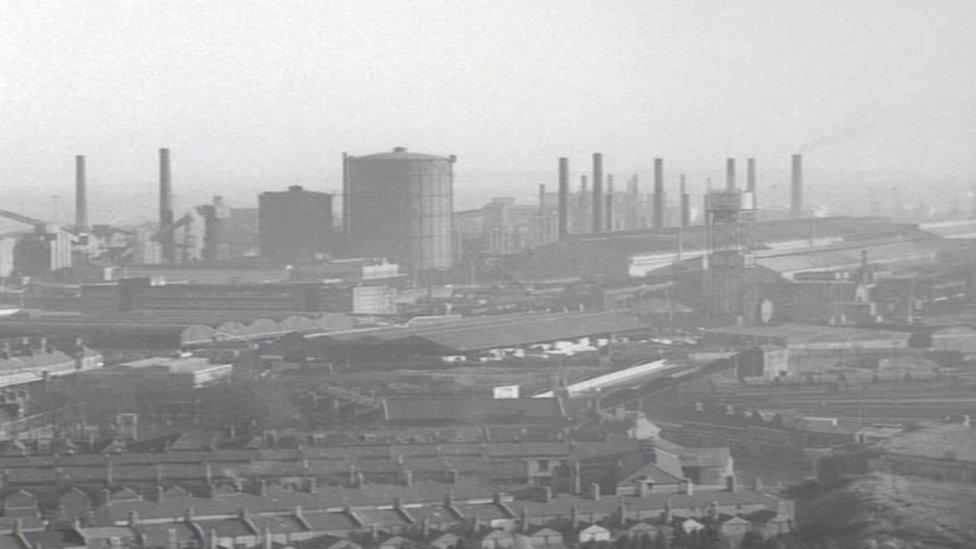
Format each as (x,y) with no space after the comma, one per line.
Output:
(253,96)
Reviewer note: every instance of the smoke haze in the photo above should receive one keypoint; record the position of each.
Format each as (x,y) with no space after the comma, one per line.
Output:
(259,95)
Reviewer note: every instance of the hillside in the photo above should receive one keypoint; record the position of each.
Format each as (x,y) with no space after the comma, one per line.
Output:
(883,506)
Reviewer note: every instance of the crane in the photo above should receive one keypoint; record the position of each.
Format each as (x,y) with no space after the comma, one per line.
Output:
(51,245)
(22,218)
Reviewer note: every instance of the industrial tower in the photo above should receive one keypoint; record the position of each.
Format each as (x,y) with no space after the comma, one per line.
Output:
(730,287)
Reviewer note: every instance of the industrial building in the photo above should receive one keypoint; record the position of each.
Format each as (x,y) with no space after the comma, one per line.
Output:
(228,233)
(295,225)
(178,374)
(630,254)
(170,330)
(469,336)
(353,271)
(399,205)
(26,360)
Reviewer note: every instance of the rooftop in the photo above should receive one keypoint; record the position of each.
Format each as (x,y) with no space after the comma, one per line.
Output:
(493,332)
(401,153)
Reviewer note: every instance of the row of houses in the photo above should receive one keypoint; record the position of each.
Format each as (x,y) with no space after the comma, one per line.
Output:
(426,516)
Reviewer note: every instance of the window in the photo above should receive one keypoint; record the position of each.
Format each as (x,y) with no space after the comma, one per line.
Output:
(543,464)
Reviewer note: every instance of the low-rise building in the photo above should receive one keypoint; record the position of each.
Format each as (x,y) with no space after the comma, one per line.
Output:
(174,373)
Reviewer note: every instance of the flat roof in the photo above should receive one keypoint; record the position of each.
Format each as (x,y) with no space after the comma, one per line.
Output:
(806,333)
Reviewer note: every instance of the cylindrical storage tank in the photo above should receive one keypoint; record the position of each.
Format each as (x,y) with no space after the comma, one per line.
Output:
(400,206)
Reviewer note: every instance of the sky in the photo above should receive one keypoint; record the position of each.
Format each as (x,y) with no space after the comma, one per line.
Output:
(253,96)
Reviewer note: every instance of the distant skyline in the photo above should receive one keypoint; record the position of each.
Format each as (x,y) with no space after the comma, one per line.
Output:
(254,96)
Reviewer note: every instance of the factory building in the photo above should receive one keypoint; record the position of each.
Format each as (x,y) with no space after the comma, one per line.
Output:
(636,254)
(228,232)
(295,225)
(181,374)
(400,205)
(48,248)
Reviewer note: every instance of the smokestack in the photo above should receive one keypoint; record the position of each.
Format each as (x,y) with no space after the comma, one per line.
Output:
(685,204)
(751,180)
(796,186)
(583,217)
(634,207)
(81,194)
(345,196)
(563,197)
(751,175)
(658,193)
(610,203)
(543,218)
(730,174)
(597,193)
(165,206)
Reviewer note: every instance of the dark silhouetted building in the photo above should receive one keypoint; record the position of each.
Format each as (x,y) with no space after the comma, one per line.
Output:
(294,225)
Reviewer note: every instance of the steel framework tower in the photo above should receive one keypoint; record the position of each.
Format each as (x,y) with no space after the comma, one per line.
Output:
(730,290)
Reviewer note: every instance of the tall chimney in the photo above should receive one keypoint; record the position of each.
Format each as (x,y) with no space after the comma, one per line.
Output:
(685,204)
(583,217)
(634,206)
(81,194)
(751,180)
(345,197)
(658,193)
(166,207)
(796,186)
(563,197)
(730,174)
(543,218)
(610,203)
(597,193)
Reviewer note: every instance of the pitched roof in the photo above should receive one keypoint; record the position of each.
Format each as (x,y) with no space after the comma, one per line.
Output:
(318,520)
(655,474)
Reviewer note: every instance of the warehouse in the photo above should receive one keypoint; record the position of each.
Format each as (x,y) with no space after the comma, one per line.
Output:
(466,337)
(809,337)
(169,330)
(626,254)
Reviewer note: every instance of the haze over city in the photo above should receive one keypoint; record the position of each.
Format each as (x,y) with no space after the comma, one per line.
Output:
(574,274)
(253,94)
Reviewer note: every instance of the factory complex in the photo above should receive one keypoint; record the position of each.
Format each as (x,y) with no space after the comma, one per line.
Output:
(373,368)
